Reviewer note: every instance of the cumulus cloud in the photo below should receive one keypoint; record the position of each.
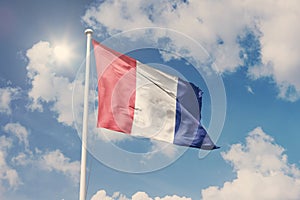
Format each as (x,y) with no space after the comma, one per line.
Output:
(262,169)
(7,95)
(49,161)
(101,195)
(191,18)
(8,175)
(57,161)
(19,131)
(217,25)
(50,81)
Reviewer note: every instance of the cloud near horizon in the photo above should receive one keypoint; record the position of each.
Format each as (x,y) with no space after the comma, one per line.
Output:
(102,195)
(262,169)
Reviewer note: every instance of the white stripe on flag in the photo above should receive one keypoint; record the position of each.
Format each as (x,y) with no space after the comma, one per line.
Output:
(155,104)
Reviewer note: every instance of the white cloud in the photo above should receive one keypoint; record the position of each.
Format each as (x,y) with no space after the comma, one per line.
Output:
(57,161)
(50,81)
(7,95)
(15,157)
(173,197)
(8,175)
(141,196)
(51,161)
(19,131)
(217,25)
(192,19)
(263,171)
(21,159)
(101,195)
(280,47)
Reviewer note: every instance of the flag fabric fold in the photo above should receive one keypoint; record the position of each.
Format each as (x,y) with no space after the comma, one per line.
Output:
(142,101)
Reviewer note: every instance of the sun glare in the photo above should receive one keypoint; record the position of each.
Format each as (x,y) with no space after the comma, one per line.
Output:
(62,53)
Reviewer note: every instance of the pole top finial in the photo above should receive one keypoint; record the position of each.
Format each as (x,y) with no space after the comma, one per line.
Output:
(88,31)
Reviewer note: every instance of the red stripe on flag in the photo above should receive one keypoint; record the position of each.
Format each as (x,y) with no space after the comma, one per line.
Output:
(116,88)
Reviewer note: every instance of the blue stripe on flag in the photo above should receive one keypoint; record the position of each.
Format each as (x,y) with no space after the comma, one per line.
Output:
(188,129)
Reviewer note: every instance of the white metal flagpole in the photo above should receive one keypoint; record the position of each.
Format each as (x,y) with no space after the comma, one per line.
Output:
(82,193)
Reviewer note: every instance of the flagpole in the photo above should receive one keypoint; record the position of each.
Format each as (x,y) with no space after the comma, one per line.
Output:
(82,193)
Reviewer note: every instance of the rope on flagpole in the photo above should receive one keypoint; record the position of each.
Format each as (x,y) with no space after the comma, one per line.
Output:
(82,192)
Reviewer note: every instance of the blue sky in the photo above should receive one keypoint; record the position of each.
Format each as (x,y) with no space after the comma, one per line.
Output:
(254,49)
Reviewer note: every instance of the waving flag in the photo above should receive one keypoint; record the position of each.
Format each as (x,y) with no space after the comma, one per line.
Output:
(142,101)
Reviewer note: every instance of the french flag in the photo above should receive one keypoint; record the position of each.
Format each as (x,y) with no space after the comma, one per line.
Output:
(142,101)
